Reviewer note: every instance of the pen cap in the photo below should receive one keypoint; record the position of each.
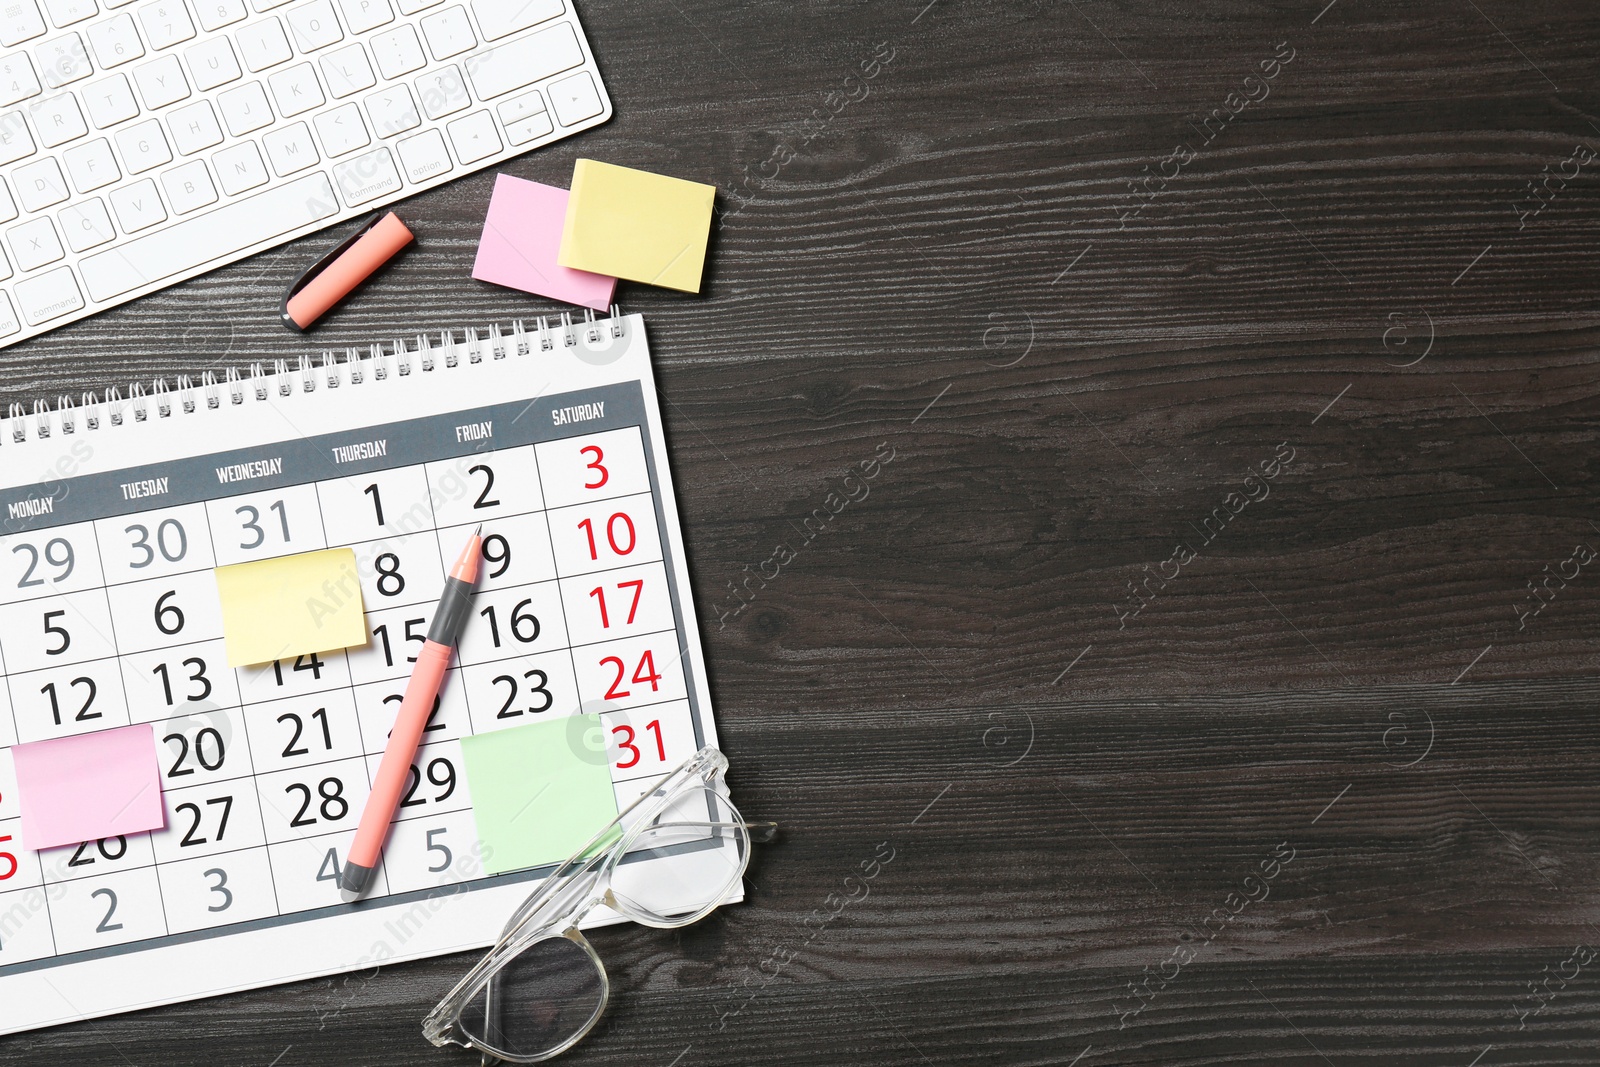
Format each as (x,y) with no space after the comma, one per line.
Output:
(349,269)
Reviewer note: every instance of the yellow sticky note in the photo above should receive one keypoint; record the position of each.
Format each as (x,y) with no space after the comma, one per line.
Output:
(632,224)
(291,606)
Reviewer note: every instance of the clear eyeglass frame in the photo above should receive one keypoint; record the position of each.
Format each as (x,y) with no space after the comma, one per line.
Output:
(569,987)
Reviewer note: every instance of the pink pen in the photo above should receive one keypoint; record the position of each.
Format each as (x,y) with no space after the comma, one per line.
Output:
(415,708)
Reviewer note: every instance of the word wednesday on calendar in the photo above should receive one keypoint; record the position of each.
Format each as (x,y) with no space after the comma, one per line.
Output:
(117,511)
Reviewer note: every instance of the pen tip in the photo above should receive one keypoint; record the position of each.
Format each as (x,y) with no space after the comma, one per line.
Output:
(350,896)
(478,529)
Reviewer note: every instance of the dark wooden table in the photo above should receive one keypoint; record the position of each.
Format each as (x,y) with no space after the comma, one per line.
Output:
(1215,656)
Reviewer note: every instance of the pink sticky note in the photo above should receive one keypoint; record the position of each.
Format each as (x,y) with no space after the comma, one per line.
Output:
(87,787)
(520,240)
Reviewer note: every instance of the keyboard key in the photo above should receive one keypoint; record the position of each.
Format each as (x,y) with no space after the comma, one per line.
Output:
(520,106)
(110,101)
(212,63)
(397,51)
(8,207)
(347,71)
(442,92)
(86,225)
(245,109)
(58,120)
(575,99)
(17,81)
(19,21)
(66,12)
(411,7)
(160,82)
(138,207)
(189,187)
(341,131)
(314,25)
(267,5)
(424,155)
(143,146)
(215,14)
(194,127)
(239,168)
(529,129)
(5,270)
(523,61)
(199,239)
(9,323)
(290,149)
(392,111)
(166,23)
(448,32)
(367,177)
(474,137)
(34,243)
(262,44)
(364,15)
(91,165)
(40,184)
(49,296)
(115,40)
(62,60)
(15,140)
(295,89)
(501,18)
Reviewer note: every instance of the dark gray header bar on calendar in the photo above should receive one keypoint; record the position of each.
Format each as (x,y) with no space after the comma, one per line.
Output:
(191,479)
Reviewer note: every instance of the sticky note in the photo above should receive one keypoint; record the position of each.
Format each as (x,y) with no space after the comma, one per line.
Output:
(291,605)
(83,788)
(636,225)
(521,237)
(540,791)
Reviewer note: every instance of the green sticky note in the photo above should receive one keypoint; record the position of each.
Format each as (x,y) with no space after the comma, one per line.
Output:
(539,792)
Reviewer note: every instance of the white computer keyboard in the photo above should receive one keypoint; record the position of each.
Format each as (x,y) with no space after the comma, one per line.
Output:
(144,143)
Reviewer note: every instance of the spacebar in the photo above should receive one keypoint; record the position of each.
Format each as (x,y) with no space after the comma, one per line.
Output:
(203,238)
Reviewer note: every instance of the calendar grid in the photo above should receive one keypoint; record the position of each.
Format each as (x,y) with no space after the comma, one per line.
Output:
(629,669)
(261,820)
(556,568)
(55,942)
(105,593)
(322,521)
(249,747)
(23,856)
(161,897)
(155,872)
(11,704)
(155,867)
(247,730)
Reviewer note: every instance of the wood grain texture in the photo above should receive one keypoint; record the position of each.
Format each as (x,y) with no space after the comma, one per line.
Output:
(948,269)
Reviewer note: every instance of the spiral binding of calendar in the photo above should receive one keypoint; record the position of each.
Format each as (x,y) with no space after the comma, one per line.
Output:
(399,358)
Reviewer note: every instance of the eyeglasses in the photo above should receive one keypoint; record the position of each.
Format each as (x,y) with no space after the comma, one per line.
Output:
(541,988)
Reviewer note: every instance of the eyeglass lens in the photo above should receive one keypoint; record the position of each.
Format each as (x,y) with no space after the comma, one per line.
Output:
(709,849)
(547,994)
(537,1001)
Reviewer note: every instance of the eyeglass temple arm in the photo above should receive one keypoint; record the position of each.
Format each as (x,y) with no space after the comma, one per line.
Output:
(761,831)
